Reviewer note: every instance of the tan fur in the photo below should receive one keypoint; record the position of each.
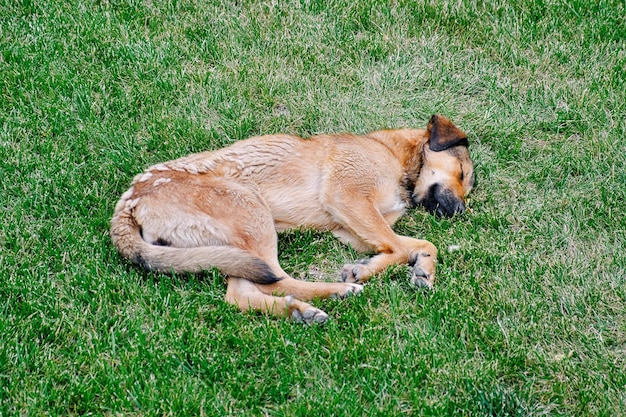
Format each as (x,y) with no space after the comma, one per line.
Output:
(223,208)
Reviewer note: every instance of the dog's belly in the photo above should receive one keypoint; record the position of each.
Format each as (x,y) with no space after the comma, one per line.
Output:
(307,211)
(290,214)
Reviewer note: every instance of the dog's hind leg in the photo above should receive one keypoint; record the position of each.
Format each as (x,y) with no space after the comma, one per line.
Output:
(245,295)
(305,290)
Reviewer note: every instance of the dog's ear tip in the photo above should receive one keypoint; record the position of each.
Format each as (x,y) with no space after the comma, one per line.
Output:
(432,122)
(436,119)
(444,134)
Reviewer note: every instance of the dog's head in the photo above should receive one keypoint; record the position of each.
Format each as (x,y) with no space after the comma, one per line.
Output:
(447,173)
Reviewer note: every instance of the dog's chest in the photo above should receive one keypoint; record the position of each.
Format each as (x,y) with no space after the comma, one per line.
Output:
(392,205)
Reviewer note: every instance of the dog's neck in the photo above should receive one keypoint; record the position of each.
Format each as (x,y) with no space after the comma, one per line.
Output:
(407,145)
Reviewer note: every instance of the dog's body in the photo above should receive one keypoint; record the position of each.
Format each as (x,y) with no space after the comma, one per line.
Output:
(222,209)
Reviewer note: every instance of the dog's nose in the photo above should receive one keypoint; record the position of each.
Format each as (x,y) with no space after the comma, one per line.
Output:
(450,210)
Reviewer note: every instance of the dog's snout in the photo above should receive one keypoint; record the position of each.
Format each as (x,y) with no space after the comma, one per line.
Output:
(450,203)
(448,208)
(442,201)
(460,208)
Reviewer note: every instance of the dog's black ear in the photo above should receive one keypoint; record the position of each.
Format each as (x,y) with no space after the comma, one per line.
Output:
(444,134)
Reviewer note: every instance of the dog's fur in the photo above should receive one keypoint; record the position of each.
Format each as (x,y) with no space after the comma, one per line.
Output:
(223,208)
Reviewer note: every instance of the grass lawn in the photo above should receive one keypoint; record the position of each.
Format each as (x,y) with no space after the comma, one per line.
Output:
(529,312)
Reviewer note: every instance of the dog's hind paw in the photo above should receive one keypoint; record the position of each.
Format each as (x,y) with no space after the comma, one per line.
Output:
(310,316)
(302,312)
(348,290)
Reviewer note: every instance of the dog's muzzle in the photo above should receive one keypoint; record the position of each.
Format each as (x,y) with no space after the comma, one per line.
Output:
(442,201)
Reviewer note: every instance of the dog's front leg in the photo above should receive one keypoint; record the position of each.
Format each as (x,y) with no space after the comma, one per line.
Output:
(420,254)
(367,227)
(361,222)
(423,259)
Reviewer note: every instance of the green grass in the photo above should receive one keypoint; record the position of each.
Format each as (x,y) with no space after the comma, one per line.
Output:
(528,316)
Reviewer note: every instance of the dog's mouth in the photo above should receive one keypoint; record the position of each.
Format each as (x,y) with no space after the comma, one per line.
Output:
(441,201)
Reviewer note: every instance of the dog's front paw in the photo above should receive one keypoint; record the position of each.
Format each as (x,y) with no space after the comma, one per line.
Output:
(357,273)
(420,278)
(423,272)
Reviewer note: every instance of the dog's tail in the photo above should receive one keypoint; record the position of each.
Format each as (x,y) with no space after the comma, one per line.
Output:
(232,261)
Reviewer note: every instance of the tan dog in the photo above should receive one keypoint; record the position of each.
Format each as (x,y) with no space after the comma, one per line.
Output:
(223,208)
